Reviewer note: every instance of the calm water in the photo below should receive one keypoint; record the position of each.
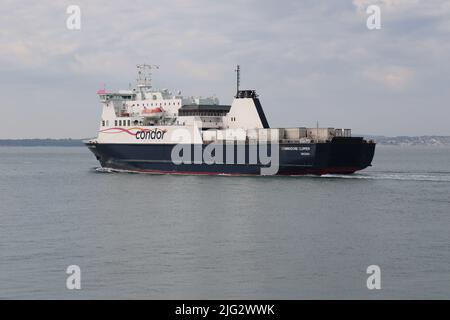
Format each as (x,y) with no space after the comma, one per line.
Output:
(151,236)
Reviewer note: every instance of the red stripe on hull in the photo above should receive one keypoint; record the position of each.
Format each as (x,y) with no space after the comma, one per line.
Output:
(318,172)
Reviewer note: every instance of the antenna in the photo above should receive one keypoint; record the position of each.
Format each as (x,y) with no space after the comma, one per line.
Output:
(238,79)
(317,128)
(144,78)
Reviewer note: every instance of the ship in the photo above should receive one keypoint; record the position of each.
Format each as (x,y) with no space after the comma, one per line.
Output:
(150,130)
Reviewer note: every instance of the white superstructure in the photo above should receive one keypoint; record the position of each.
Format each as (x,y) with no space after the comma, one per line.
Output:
(147,115)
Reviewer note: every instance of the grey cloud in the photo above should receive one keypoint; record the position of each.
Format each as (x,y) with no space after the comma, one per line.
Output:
(309,60)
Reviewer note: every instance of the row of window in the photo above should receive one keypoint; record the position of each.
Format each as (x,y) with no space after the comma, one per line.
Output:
(122,123)
(202,114)
(105,123)
(156,104)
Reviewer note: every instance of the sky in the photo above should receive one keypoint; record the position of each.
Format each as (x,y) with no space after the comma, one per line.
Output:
(309,60)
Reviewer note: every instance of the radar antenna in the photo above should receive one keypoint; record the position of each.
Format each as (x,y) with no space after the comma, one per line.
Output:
(144,78)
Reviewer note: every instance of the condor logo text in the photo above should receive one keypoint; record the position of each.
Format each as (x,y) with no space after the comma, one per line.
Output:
(155,134)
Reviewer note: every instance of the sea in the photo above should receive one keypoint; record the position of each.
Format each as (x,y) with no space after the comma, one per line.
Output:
(141,236)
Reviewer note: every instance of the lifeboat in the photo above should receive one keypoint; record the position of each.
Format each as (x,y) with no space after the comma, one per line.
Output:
(153,113)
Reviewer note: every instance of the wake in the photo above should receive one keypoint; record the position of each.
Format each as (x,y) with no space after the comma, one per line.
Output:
(378,175)
(401,176)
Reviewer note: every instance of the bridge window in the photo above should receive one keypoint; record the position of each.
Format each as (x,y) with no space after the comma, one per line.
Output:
(115,123)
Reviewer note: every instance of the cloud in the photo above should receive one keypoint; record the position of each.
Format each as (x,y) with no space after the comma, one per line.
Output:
(307,59)
(388,5)
(392,77)
(406,8)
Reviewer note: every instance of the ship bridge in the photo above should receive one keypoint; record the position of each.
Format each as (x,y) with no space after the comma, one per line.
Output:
(207,116)
(117,96)
(204,110)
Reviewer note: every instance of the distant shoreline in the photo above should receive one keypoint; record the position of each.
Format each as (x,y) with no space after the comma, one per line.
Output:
(411,140)
(381,140)
(41,142)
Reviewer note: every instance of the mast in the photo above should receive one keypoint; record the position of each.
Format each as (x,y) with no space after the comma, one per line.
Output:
(144,78)
(238,79)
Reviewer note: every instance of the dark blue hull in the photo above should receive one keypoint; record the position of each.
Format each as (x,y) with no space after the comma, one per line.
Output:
(340,156)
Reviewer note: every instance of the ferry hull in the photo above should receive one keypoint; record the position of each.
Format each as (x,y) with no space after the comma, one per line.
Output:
(340,156)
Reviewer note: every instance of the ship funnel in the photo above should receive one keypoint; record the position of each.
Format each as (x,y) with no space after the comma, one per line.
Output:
(246,111)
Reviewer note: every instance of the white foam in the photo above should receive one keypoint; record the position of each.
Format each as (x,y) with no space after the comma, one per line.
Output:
(402,176)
